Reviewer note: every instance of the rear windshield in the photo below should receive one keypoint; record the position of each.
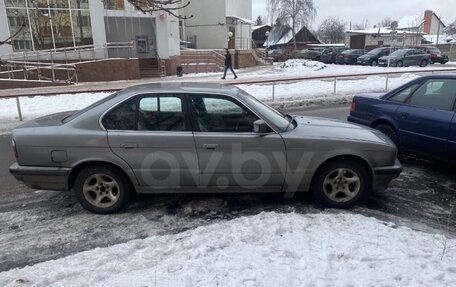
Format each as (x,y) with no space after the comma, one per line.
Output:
(97,103)
(376,51)
(399,52)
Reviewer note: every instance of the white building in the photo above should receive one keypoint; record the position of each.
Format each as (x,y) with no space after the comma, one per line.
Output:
(218,24)
(51,24)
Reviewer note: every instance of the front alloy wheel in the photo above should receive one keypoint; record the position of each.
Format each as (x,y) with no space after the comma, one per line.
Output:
(101,189)
(341,183)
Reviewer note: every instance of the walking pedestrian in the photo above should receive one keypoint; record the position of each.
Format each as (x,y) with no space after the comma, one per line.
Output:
(228,65)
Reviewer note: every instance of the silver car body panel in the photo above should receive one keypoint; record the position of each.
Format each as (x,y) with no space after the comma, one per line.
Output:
(52,151)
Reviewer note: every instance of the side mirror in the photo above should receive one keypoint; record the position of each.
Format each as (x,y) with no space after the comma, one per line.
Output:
(260,127)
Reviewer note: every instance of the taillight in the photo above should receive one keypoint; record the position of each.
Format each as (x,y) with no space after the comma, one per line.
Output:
(352,107)
(14,149)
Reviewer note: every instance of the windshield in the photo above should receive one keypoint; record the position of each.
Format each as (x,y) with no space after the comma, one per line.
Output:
(376,51)
(269,113)
(398,53)
(435,50)
(97,103)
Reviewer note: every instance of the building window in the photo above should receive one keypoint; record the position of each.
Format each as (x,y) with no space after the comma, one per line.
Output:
(114,4)
(84,21)
(22,44)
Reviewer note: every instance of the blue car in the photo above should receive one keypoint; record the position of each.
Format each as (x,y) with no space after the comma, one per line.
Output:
(419,116)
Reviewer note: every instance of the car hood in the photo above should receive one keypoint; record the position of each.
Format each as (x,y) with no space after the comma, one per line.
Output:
(314,127)
(47,121)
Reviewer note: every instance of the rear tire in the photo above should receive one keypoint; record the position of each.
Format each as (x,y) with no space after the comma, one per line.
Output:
(341,183)
(389,132)
(102,189)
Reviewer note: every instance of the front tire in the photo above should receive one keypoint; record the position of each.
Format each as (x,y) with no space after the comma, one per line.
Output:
(423,63)
(102,189)
(400,64)
(341,183)
(374,63)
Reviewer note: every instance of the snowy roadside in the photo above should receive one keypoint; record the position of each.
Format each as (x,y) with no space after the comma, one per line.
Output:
(268,249)
(303,93)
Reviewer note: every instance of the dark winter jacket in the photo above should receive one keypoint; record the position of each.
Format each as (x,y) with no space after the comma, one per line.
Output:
(228,62)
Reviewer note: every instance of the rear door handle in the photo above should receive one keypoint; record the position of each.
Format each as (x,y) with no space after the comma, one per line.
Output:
(404,116)
(210,146)
(129,146)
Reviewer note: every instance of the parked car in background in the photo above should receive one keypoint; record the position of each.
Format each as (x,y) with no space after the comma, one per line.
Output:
(308,54)
(328,56)
(418,116)
(198,137)
(278,54)
(405,58)
(349,57)
(371,58)
(435,54)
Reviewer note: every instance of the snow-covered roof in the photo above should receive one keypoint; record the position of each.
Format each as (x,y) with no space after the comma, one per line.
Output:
(412,21)
(279,35)
(259,27)
(244,20)
(381,30)
(442,39)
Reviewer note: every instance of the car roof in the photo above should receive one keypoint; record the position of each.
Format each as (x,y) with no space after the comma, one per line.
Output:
(182,87)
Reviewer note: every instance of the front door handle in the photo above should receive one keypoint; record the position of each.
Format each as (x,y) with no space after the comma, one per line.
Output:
(210,146)
(129,146)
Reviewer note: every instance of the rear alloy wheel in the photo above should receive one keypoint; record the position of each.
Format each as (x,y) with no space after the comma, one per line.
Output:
(374,63)
(101,189)
(341,183)
(423,63)
(389,132)
(400,64)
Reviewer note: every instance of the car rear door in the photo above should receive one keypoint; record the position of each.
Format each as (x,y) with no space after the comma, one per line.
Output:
(451,153)
(152,134)
(424,120)
(230,155)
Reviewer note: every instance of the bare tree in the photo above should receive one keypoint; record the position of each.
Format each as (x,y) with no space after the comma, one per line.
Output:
(386,22)
(361,26)
(295,12)
(258,21)
(171,7)
(451,29)
(10,39)
(332,30)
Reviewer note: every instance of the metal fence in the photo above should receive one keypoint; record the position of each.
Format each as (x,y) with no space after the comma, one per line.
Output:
(44,65)
(272,82)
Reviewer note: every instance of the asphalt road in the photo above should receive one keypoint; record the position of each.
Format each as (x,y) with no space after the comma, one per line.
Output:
(36,226)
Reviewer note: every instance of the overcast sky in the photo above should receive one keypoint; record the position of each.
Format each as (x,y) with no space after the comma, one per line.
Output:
(372,10)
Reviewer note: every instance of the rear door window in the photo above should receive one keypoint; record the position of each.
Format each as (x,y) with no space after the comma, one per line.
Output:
(403,95)
(435,94)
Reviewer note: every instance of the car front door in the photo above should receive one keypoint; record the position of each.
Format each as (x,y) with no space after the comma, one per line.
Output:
(150,132)
(424,120)
(230,154)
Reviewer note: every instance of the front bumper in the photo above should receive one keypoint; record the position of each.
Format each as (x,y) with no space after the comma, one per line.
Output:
(38,177)
(382,176)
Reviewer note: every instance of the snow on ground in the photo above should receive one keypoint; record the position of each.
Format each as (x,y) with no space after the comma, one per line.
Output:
(268,249)
(311,92)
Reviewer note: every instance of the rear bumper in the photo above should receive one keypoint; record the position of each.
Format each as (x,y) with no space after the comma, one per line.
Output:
(385,174)
(38,177)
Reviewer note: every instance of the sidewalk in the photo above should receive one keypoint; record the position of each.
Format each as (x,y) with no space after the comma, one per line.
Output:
(92,87)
